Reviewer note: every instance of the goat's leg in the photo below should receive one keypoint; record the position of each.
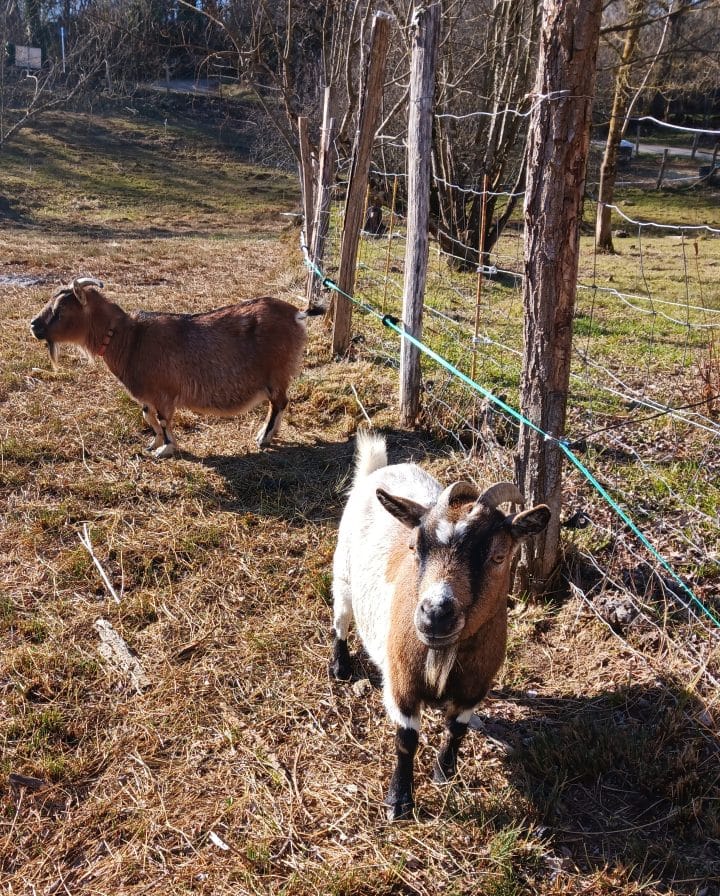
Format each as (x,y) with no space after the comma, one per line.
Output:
(455,730)
(340,665)
(400,800)
(169,444)
(278,403)
(150,417)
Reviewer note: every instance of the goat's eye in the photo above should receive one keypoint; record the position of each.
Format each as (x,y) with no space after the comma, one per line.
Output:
(498,558)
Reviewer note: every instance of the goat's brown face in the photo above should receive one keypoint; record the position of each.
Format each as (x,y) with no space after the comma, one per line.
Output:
(63,319)
(464,564)
(463,551)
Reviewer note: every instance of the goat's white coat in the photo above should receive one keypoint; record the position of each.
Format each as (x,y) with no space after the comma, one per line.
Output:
(360,588)
(376,582)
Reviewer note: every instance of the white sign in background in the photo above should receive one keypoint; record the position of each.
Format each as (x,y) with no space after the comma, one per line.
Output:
(28,57)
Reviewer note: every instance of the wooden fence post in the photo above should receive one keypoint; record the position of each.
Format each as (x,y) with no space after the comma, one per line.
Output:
(480,276)
(357,184)
(661,173)
(425,40)
(389,242)
(322,200)
(306,178)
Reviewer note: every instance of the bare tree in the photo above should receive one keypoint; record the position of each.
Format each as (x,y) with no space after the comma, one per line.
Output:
(660,48)
(288,53)
(106,47)
(685,84)
(485,70)
(623,100)
(481,126)
(618,121)
(26,94)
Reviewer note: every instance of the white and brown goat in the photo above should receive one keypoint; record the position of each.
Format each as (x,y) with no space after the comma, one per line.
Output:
(425,572)
(220,362)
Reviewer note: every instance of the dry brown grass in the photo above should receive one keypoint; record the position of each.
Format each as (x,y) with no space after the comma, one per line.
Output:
(243,768)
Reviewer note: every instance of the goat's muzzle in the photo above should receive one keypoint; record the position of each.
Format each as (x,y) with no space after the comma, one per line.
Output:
(39,331)
(37,328)
(438,619)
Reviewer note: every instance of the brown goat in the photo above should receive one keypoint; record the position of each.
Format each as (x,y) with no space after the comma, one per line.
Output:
(425,572)
(221,362)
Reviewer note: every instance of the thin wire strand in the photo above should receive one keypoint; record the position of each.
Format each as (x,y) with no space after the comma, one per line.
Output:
(562,443)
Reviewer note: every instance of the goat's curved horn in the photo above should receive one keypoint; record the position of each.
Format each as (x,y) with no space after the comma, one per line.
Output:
(455,492)
(77,287)
(500,493)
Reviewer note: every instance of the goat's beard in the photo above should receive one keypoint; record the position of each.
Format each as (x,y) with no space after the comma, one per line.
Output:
(53,351)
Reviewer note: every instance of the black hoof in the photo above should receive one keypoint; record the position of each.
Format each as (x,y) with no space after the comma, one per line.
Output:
(340,665)
(442,774)
(401,811)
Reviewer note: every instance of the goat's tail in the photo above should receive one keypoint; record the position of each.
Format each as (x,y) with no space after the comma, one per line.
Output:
(370,453)
(313,311)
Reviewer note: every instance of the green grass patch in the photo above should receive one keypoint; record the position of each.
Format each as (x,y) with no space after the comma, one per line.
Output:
(115,172)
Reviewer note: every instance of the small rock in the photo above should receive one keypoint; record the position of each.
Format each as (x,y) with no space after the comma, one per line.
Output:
(362,687)
(705,718)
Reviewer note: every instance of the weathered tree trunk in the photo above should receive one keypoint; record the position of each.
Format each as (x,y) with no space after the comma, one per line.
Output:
(559,141)
(621,100)
(425,41)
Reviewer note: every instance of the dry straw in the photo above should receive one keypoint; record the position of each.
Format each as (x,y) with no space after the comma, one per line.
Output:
(241,768)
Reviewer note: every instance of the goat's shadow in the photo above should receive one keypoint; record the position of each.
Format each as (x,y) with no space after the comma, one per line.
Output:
(626,779)
(298,480)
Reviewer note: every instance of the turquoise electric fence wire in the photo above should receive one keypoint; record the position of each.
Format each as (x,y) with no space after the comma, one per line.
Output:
(631,525)
(393,324)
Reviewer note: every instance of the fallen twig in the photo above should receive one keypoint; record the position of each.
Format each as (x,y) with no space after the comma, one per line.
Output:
(87,544)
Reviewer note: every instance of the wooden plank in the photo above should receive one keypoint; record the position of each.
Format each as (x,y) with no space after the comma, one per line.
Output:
(321,214)
(306,178)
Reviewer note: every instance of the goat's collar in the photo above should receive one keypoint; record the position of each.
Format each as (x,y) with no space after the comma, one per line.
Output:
(106,341)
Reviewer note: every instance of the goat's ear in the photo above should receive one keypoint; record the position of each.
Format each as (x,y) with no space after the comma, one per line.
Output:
(408,512)
(530,522)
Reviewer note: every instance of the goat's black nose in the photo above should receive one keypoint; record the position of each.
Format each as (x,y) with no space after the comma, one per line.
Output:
(37,328)
(437,613)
